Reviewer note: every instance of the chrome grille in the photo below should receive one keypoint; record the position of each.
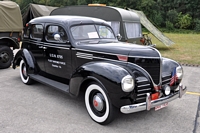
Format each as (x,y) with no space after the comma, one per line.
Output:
(143,87)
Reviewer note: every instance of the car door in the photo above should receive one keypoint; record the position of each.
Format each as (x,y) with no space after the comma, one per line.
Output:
(35,44)
(57,52)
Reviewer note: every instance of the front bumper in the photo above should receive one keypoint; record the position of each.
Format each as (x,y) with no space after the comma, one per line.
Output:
(151,104)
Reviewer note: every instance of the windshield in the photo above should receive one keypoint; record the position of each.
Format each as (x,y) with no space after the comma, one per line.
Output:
(92,32)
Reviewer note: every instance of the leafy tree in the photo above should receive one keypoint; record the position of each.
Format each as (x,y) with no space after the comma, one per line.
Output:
(172,16)
(184,21)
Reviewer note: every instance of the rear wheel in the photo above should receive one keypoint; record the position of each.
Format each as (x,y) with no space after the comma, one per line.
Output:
(6,57)
(23,73)
(98,104)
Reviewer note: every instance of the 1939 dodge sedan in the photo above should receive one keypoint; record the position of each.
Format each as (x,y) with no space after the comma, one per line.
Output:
(74,54)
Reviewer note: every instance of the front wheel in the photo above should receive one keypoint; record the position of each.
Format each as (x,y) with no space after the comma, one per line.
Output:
(23,73)
(98,104)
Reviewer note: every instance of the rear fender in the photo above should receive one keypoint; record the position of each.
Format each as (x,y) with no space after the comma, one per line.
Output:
(28,59)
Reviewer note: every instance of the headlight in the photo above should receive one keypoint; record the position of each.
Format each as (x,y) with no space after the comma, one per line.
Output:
(128,83)
(167,90)
(179,72)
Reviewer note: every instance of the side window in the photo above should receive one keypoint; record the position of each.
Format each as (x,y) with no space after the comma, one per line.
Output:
(115,26)
(133,30)
(37,31)
(52,30)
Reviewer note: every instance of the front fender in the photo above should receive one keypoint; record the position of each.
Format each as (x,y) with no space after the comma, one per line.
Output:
(110,75)
(28,59)
(168,68)
(168,65)
(105,73)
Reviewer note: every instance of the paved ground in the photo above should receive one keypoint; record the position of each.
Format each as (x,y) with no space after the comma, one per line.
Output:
(40,109)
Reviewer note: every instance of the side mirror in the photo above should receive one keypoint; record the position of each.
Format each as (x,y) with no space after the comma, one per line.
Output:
(119,37)
(57,37)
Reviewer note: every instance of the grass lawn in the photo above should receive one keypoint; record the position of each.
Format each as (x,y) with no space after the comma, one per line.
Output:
(186,49)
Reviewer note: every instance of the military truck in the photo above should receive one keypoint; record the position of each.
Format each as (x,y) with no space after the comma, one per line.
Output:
(123,22)
(11,27)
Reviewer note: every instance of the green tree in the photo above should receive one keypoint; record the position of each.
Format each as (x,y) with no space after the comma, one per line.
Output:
(184,21)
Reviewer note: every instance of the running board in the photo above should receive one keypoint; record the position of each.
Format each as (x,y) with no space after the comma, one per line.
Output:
(49,82)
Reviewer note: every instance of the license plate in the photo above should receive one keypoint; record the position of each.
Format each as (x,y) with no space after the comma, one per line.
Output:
(161,106)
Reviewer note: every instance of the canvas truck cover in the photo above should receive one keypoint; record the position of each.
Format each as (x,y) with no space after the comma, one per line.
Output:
(10,17)
(36,10)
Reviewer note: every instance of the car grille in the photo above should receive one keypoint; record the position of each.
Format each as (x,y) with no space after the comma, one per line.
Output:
(166,79)
(152,66)
(143,87)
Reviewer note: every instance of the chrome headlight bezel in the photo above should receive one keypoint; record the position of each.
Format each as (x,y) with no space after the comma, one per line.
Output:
(128,83)
(179,72)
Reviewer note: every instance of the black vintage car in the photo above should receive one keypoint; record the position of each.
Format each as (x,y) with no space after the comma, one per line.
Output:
(74,54)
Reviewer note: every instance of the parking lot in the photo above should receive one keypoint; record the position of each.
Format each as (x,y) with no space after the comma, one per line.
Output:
(39,108)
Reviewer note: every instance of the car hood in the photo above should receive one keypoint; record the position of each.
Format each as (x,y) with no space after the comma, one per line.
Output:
(120,48)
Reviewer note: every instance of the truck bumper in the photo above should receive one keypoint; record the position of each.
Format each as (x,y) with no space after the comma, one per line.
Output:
(151,104)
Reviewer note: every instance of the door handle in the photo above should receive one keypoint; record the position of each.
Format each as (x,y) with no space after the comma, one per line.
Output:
(40,47)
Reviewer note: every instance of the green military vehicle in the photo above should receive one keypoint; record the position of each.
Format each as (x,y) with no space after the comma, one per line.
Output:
(124,22)
(11,27)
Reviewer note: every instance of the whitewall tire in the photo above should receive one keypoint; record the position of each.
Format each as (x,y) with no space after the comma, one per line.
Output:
(23,73)
(98,104)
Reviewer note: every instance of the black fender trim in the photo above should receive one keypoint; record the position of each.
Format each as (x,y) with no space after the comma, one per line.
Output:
(28,59)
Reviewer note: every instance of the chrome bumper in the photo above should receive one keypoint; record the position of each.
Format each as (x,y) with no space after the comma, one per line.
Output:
(151,104)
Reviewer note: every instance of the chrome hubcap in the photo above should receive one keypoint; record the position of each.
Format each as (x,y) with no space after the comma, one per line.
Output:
(98,103)
(24,71)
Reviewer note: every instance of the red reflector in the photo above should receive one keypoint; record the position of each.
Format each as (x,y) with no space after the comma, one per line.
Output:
(18,39)
(154,96)
(122,57)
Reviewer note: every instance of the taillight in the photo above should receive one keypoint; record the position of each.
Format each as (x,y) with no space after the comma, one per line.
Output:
(18,39)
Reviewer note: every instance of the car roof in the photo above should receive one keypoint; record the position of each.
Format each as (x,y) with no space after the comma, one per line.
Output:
(71,20)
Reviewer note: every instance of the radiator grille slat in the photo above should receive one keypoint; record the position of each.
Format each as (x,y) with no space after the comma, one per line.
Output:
(152,66)
(143,87)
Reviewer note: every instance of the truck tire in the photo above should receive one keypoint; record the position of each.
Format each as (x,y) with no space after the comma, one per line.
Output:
(6,57)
